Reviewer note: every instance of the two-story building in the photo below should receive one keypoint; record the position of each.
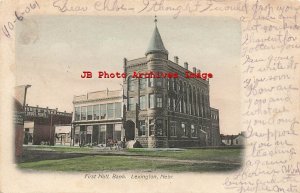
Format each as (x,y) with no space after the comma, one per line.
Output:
(39,124)
(97,118)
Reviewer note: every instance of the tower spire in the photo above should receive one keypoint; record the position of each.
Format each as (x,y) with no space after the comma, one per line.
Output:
(156,44)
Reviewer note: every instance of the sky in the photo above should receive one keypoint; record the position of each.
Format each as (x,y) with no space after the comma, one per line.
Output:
(53,51)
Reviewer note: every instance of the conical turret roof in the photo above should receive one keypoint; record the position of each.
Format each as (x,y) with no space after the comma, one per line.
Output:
(156,44)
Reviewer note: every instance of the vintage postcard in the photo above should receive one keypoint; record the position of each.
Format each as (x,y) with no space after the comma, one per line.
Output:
(150,96)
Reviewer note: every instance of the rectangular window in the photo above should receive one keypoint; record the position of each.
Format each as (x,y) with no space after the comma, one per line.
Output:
(103,111)
(159,101)
(110,110)
(131,104)
(77,113)
(118,110)
(142,130)
(159,82)
(96,112)
(143,102)
(130,84)
(179,105)
(151,127)
(151,101)
(159,127)
(151,82)
(175,85)
(174,104)
(183,127)
(90,113)
(143,82)
(193,131)
(172,128)
(83,113)
(170,84)
(169,103)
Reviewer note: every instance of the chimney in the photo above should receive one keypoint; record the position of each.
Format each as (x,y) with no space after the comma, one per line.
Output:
(186,65)
(198,71)
(194,69)
(125,62)
(176,59)
(125,65)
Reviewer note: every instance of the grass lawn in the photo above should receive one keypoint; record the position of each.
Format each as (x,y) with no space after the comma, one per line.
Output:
(226,155)
(190,160)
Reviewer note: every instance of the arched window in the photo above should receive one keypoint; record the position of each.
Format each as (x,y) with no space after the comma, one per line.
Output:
(175,85)
(194,101)
(185,110)
(203,105)
(190,99)
(180,86)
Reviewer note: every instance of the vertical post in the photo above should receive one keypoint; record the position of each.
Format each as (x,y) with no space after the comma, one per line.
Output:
(50,129)
(92,136)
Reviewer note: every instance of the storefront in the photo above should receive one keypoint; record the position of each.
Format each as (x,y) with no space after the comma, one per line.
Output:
(98,118)
(98,134)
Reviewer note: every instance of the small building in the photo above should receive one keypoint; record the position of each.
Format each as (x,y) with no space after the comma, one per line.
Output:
(98,118)
(39,124)
(63,134)
(215,127)
(239,139)
(233,140)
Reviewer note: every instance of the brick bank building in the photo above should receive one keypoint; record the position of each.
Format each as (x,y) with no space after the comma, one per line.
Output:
(160,112)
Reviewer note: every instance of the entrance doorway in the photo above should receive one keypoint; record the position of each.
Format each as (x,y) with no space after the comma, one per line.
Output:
(109,132)
(129,130)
